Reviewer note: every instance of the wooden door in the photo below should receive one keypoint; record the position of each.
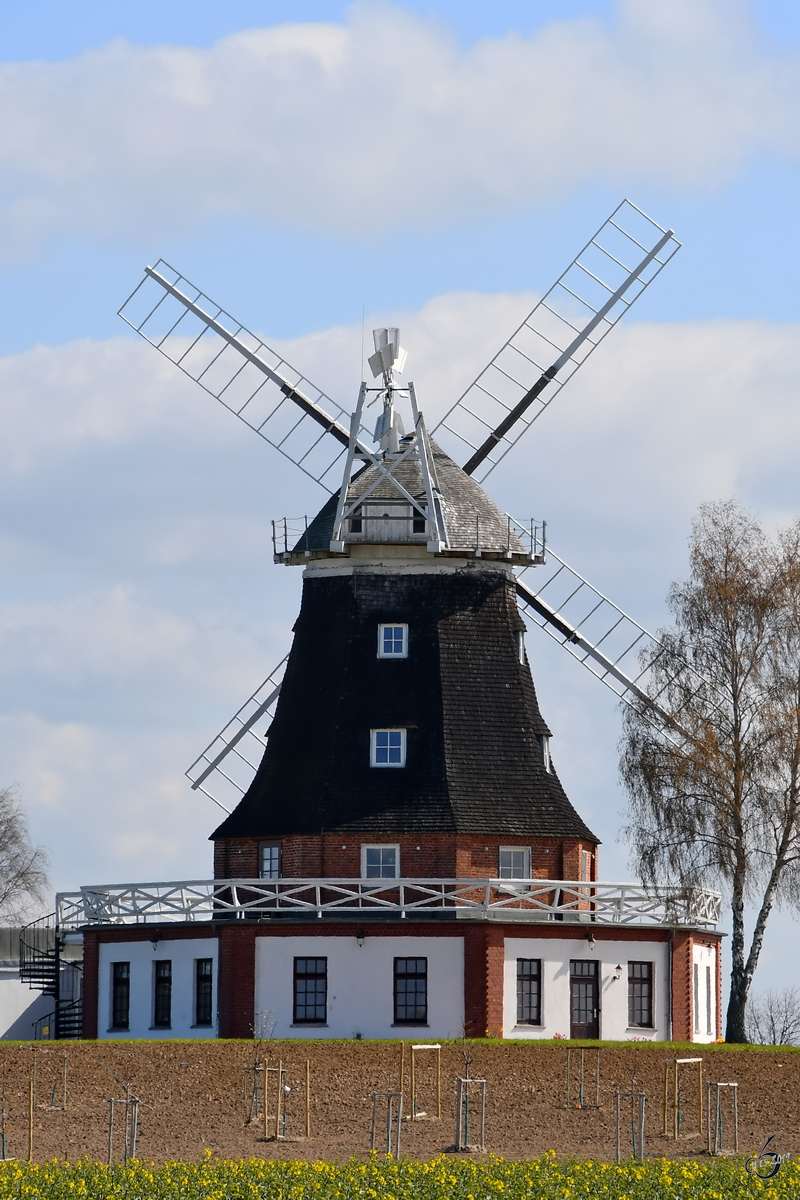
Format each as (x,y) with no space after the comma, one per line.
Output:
(584,999)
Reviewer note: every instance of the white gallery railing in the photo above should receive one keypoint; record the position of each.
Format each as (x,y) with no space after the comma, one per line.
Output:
(499,899)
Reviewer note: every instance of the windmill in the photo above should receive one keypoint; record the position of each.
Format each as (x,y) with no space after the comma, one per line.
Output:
(387,485)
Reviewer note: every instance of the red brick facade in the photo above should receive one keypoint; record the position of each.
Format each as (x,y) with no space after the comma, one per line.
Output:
(428,856)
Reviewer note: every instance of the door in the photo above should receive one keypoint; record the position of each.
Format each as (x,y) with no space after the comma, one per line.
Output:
(584,1000)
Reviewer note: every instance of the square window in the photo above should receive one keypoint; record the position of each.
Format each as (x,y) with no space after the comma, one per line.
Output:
(162,994)
(515,862)
(529,991)
(392,641)
(269,866)
(410,991)
(388,748)
(203,981)
(310,990)
(120,995)
(640,994)
(380,862)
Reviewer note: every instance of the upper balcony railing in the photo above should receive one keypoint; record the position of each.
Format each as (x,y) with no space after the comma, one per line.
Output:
(513,900)
(395,522)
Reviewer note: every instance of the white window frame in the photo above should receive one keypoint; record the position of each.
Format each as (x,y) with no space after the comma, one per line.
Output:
(393,625)
(365,846)
(373,748)
(516,849)
(544,746)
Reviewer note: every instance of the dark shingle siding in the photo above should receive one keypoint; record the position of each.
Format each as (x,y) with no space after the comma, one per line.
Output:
(474,764)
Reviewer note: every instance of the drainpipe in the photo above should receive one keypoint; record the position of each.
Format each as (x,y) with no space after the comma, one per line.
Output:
(669,986)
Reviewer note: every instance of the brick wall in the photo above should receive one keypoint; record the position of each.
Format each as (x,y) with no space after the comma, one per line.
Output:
(682,1007)
(422,856)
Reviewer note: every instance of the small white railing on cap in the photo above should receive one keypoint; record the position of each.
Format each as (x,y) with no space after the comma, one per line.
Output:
(500,899)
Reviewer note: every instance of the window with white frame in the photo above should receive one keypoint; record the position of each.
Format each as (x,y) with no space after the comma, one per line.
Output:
(269,866)
(515,862)
(392,641)
(544,746)
(380,861)
(387,748)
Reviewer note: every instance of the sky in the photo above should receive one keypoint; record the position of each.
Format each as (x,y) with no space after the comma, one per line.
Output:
(318,169)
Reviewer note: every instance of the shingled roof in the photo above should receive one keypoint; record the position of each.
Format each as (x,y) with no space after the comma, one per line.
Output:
(472,519)
(474,759)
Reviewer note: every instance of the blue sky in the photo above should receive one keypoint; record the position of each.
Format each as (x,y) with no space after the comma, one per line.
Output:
(433,164)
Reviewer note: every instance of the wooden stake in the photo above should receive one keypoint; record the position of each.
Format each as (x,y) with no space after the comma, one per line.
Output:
(64,1085)
(402,1066)
(700,1093)
(666,1097)
(439,1085)
(30,1119)
(413,1087)
(278,1105)
(308,1098)
(266,1100)
(675,1102)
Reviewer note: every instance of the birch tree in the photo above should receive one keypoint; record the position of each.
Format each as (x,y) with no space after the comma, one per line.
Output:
(714,791)
(23,865)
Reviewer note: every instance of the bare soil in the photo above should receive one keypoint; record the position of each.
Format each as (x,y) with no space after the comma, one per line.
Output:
(197,1097)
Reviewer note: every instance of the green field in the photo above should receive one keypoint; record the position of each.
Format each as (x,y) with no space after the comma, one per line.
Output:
(383,1179)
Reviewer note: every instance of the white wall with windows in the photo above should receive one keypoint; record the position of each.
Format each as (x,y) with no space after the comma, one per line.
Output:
(146,978)
(704,994)
(538,983)
(332,987)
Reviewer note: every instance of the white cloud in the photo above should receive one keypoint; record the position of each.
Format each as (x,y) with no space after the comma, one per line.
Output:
(385,119)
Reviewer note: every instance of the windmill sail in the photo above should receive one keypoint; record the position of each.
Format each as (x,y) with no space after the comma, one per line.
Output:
(237,368)
(598,287)
(614,647)
(239,745)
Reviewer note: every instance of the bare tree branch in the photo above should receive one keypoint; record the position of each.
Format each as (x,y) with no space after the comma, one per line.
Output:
(722,807)
(23,866)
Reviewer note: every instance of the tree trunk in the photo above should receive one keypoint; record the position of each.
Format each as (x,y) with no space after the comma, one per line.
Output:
(737,1001)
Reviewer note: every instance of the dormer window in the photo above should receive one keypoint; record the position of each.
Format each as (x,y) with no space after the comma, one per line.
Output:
(418,522)
(544,746)
(387,748)
(392,641)
(357,522)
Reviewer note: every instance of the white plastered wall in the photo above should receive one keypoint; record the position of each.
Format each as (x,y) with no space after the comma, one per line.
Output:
(20,1008)
(141,956)
(555,954)
(705,1019)
(360,985)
